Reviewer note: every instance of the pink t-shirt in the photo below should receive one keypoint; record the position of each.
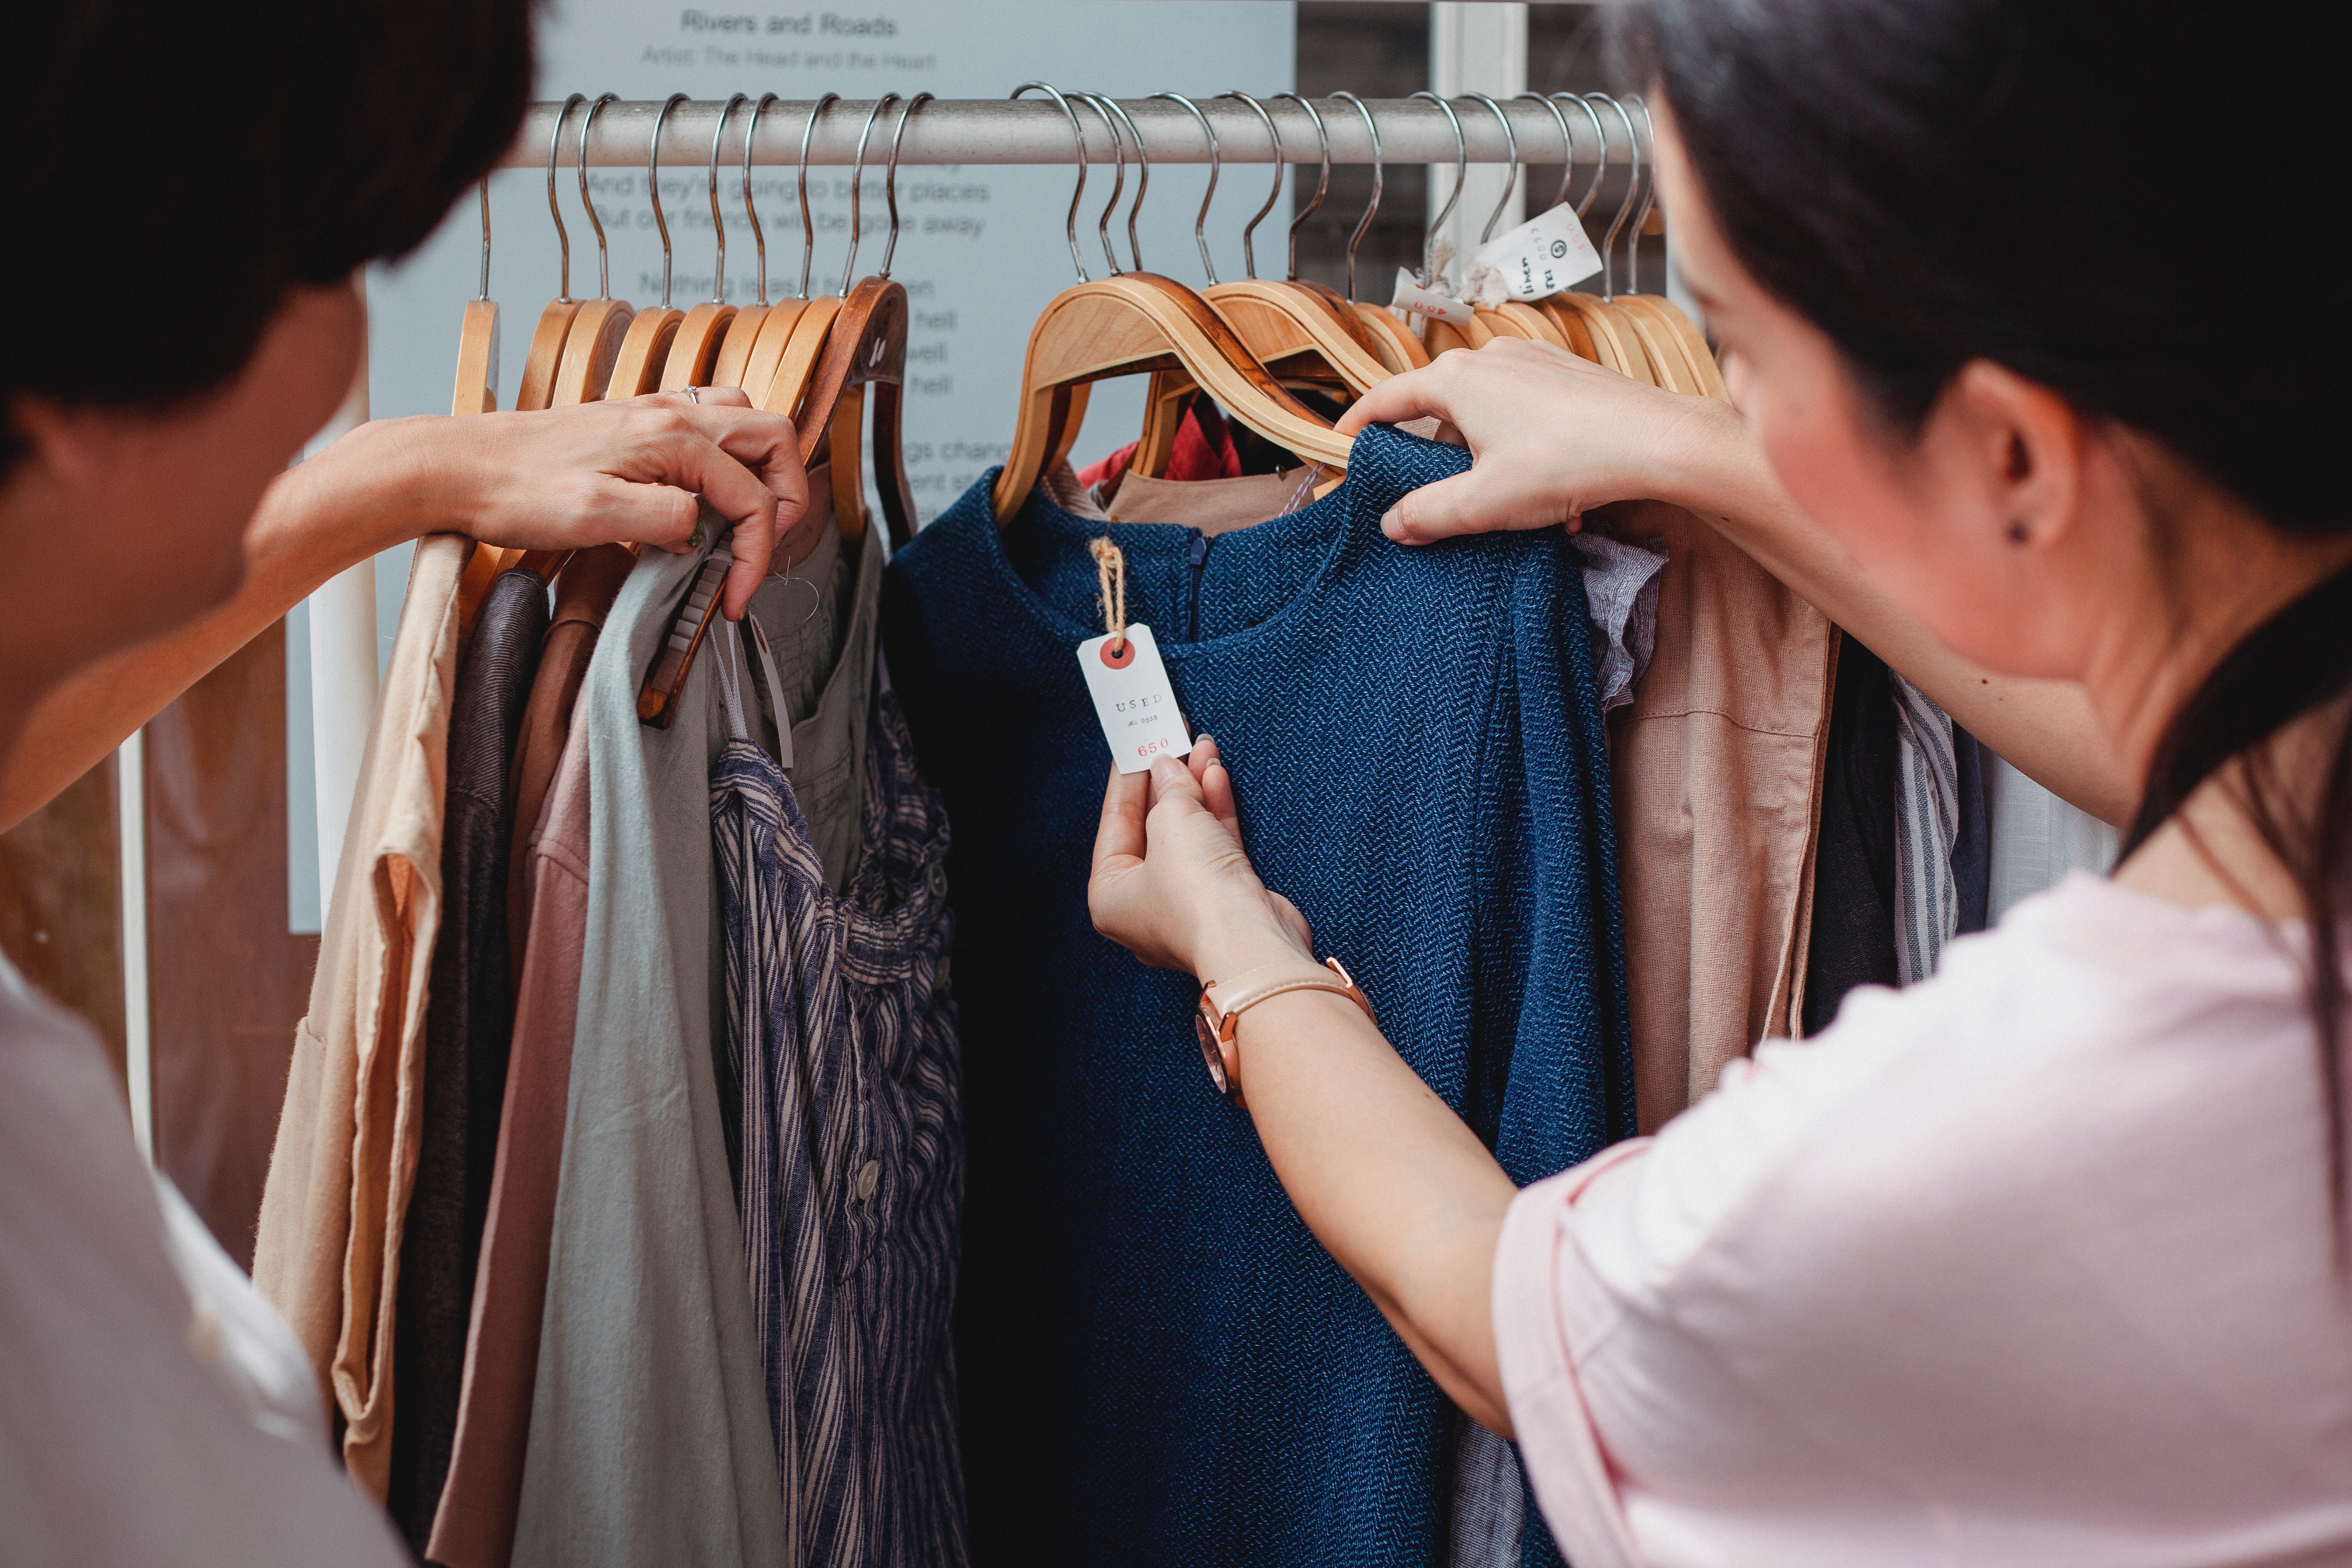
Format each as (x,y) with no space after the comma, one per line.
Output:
(2030,1263)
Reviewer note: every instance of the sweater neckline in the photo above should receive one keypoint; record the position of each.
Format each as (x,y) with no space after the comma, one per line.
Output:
(1333,515)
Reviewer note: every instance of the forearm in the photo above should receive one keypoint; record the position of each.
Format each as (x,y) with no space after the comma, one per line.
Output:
(1394,1186)
(2043,728)
(369,492)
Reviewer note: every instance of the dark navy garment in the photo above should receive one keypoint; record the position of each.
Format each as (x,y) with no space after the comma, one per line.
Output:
(1158,1364)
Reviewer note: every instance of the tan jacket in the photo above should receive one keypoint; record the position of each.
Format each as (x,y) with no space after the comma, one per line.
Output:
(1718,765)
(328,1255)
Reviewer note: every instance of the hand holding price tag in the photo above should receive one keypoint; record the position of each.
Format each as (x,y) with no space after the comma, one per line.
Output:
(1543,256)
(1129,686)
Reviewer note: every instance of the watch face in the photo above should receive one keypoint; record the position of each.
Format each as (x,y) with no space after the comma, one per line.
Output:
(1210,1051)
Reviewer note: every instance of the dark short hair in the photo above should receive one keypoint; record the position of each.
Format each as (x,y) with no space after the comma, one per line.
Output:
(211,157)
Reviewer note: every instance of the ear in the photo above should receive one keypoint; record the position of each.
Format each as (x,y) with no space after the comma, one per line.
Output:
(2018,446)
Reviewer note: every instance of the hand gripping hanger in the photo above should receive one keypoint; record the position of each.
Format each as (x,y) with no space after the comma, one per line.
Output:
(1294,332)
(696,347)
(1398,349)
(1131,324)
(866,346)
(788,317)
(645,349)
(546,352)
(594,343)
(743,332)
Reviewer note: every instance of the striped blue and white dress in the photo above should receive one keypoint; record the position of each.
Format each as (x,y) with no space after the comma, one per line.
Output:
(843,1036)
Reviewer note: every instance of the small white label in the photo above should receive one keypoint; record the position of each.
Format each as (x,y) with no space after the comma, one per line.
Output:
(1129,686)
(1411,296)
(1543,256)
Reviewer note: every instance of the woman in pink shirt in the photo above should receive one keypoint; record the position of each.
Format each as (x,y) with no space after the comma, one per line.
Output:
(2046,1259)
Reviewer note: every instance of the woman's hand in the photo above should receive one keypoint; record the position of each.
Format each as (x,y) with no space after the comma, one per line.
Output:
(1551,436)
(564,479)
(1172,883)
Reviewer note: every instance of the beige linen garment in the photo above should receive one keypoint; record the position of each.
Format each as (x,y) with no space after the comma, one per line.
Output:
(328,1255)
(1718,767)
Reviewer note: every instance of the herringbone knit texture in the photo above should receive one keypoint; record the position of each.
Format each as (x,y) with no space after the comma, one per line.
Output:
(1159,1364)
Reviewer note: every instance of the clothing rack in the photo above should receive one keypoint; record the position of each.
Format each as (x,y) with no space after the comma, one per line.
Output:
(1035,129)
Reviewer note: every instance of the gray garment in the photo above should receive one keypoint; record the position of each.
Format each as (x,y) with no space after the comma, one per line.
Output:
(2038,838)
(649,1438)
(1926,827)
(1621,595)
(819,625)
(1490,1501)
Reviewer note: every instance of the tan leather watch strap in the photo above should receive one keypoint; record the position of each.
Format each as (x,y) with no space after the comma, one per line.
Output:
(1250,986)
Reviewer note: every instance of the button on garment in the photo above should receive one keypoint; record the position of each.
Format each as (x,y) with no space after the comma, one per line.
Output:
(1158,1362)
(845,1046)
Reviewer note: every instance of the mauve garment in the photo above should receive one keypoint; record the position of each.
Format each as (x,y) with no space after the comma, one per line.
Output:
(2032,1262)
(584,596)
(468,1020)
(476,1524)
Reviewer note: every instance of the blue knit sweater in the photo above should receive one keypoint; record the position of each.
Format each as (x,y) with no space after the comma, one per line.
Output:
(1158,1363)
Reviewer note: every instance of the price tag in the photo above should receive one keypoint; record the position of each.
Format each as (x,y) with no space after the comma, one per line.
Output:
(1411,296)
(1542,256)
(1129,686)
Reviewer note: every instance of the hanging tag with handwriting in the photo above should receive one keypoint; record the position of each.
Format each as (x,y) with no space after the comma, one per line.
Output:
(1543,256)
(1129,686)
(1422,300)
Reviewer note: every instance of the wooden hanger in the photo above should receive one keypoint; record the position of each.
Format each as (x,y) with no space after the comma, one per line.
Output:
(644,349)
(593,343)
(478,393)
(812,329)
(694,352)
(546,350)
(1678,331)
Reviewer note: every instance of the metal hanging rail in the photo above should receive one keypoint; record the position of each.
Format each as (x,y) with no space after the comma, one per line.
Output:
(1037,130)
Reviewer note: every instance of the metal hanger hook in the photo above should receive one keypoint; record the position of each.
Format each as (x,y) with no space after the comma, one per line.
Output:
(485,236)
(1096,101)
(759,235)
(1600,169)
(563,236)
(1216,162)
(1372,206)
(1142,180)
(1461,172)
(1632,179)
(1649,192)
(1070,224)
(890,176)
(1567,142)
(1322,178)
(719,224)
(856,183)
(604,258)
(652,185)
(808,222)
(1249,261)
(1511,181)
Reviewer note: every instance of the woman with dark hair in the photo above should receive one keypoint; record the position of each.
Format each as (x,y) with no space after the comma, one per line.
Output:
(204,326)
(2045,1259)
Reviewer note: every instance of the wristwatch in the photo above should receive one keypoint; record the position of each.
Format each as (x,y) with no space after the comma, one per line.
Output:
(1223,1002)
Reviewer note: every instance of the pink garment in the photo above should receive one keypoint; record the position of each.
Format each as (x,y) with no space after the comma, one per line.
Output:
(2030,1263)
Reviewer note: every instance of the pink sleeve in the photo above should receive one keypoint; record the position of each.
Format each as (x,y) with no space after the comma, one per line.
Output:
(1535,1264)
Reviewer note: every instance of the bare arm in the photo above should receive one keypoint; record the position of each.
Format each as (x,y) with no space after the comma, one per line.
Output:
(560,479)
(1631,442)
(1392,1184)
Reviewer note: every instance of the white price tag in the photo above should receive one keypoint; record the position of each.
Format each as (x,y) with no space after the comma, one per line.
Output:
(1542,256)
(1129,686)
(1411,296)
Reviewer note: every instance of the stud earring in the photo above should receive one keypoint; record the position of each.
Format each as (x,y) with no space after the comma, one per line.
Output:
(2016,532)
